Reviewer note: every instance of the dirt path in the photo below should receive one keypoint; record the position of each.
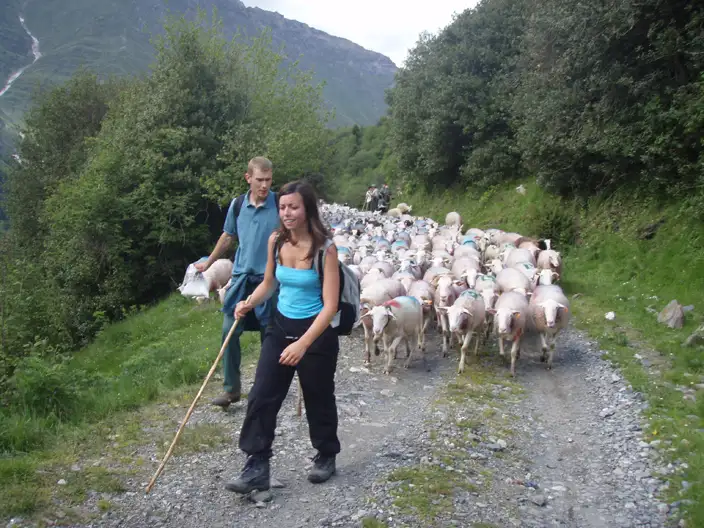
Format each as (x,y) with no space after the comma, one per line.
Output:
(433,449)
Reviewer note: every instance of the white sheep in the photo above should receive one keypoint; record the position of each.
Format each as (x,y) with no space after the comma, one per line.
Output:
(425,293)
(510,279)
(446,291)
(510,315)
(398,320)
(376,294)
(453,219)
(550,313)
(518,256)
(466,318)
(550,259)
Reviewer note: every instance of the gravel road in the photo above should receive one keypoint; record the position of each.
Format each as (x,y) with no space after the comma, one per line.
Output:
(550,448)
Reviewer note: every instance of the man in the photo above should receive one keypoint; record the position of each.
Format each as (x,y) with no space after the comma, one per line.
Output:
(375,198)
(367,200)
(386,194)
(258,217)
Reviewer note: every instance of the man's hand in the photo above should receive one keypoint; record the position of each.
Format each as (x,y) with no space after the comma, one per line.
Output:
(202,266)
(292,354)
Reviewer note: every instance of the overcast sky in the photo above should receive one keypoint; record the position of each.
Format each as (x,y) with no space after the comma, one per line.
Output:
(390,27)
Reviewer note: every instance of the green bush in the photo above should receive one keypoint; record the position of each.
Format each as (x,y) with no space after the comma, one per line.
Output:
(40,387)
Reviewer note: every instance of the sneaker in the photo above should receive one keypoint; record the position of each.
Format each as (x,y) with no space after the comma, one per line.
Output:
(225,399)
(254,476)
(323,469)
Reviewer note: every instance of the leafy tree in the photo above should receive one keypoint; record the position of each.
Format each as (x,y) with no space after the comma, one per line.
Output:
(606,95)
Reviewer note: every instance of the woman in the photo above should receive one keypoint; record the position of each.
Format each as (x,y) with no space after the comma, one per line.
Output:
(299,338)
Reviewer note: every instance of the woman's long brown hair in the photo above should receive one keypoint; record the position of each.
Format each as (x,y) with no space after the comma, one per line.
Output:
(316,229)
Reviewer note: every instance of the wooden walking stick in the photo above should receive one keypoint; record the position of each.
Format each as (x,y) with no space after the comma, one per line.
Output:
(299,398)
(193,405)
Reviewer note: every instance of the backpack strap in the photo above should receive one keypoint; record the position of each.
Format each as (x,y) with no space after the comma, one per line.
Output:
(320,261)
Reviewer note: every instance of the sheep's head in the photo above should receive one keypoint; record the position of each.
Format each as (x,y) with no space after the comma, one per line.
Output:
(555,260)
(552,308)
(490,297)
(470,275)
(458,318)
(545,277)
(380,317)
(495,266)
(505,320)
(445,289)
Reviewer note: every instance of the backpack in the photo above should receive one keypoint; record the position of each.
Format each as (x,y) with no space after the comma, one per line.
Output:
(348,305)
(348,308)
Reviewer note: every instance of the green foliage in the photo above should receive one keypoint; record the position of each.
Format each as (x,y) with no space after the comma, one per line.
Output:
(450,107)
(122,184)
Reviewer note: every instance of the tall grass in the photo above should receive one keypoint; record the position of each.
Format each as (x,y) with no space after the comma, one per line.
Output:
(60,412)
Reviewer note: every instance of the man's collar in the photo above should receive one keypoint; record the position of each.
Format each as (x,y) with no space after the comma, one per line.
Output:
(266,203)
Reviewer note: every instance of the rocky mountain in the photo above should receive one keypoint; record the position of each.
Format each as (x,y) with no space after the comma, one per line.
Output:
(113,37)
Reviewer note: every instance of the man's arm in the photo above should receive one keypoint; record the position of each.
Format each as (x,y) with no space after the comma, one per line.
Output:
(229,233)
(223,243)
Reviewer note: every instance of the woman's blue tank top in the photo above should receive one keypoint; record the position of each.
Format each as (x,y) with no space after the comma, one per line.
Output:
(300,292)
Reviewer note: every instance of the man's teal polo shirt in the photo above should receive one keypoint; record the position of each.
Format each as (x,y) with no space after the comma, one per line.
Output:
(254,225)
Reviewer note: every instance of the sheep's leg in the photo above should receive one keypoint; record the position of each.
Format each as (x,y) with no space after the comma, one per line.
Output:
(445,335)
(391,354)
(463,350)
(368,344)
(480,331)
(552,351)
(514,354)
(544,347)
(501,346)
(421,347)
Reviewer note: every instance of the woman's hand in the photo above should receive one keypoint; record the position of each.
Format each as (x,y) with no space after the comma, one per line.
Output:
(242,308)
(292,354)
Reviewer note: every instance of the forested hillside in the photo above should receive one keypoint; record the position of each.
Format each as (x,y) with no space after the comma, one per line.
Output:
(598,109)
(113,38)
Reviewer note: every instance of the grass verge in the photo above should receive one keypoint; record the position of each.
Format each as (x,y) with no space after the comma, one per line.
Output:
(94,407)
(632,257)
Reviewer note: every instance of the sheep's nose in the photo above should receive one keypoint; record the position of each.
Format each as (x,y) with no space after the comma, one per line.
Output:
(551,324)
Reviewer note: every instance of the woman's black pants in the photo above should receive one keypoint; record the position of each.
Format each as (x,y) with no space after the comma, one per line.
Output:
(316,370)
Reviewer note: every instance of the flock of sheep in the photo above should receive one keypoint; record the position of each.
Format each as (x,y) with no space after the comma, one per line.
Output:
(414,273)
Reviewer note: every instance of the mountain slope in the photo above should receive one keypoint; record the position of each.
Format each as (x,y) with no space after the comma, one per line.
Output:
(112,37)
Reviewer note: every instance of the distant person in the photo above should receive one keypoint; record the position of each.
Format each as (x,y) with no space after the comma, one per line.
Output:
(375,198)
(298,339)
(385,194)
(258,218)
(368,199)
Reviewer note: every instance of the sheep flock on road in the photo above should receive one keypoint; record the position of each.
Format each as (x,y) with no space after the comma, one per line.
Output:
(470,285)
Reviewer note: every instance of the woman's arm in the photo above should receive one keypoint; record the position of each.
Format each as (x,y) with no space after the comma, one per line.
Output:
(331,295)
(267,287)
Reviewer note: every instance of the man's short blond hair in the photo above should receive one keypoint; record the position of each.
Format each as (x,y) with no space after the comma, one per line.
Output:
(261,164)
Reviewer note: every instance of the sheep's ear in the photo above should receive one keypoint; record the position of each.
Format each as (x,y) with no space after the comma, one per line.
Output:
(563,306)
(555,276)
(516,313)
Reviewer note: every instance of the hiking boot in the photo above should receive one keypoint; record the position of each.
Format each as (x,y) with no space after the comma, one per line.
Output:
(254,476)
(225,399)
(323,469)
